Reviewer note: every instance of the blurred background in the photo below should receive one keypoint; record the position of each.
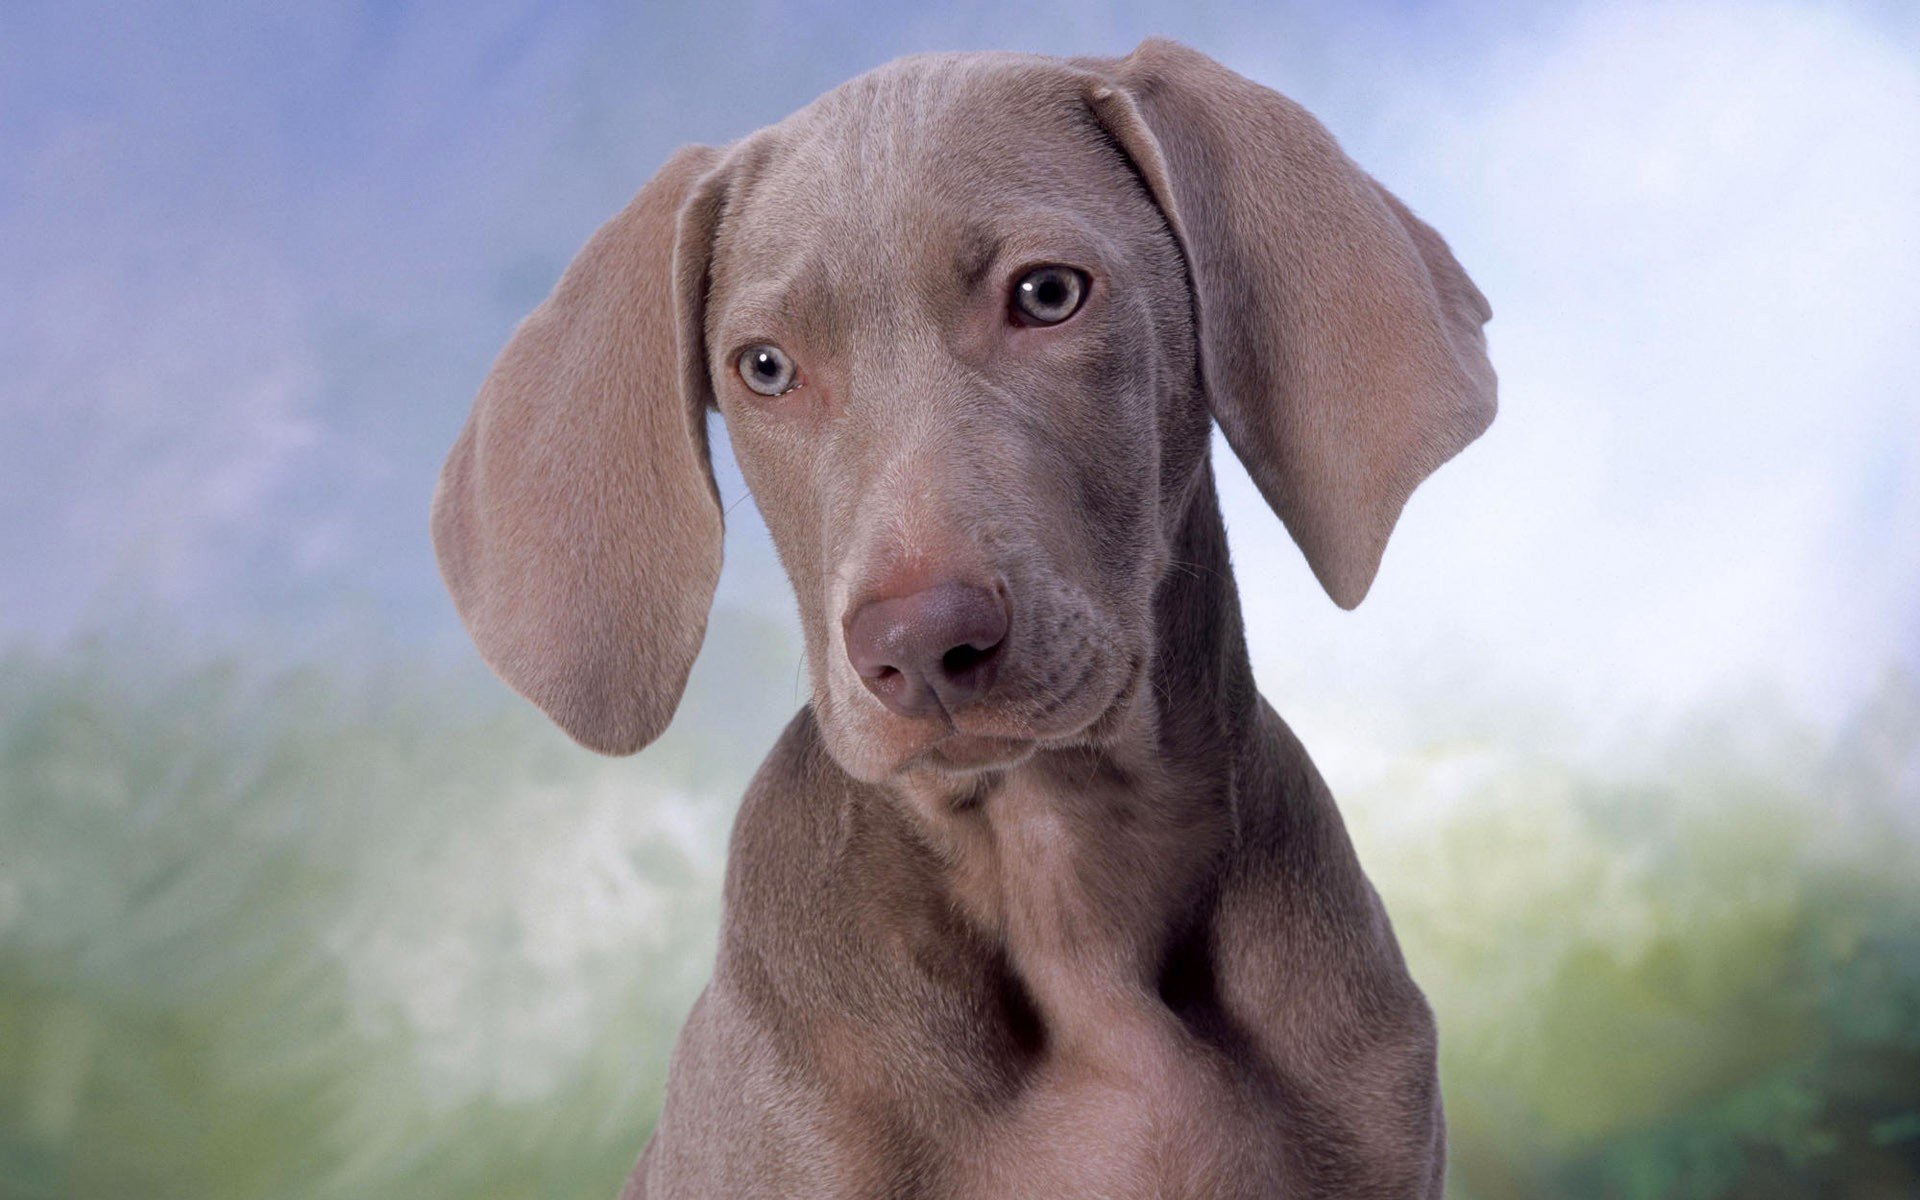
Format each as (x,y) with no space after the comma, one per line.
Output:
(297,901)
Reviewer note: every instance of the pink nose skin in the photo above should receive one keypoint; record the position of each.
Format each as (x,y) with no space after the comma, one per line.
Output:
(934,651)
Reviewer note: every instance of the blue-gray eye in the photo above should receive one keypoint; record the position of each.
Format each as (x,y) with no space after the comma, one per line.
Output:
(1049,295)
(766,369)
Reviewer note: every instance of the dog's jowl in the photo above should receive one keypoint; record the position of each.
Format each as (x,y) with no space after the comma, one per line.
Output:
(1036,896)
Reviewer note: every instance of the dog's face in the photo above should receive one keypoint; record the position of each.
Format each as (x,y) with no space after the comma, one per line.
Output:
(967,319)
(956,367)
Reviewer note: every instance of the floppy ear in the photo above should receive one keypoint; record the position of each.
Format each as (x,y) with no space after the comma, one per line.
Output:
(1339,340)
(576,520)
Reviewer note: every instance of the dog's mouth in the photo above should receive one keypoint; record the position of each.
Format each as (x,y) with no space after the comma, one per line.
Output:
(992,740)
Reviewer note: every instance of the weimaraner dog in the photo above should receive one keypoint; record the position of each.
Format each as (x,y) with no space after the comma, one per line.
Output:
(1036,897)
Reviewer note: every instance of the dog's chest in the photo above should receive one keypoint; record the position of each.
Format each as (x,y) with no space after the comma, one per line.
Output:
(1146,1114)
(1084,889)
(1084,884)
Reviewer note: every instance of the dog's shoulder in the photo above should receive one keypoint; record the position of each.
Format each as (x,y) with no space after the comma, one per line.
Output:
(835,927)
(1310,969)
(828,882)
(793,827)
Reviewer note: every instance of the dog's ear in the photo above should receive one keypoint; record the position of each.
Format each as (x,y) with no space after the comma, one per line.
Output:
(1339,341)
(576,520)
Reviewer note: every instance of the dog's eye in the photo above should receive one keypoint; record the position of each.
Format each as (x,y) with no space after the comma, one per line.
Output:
(1049,295)
(766,369)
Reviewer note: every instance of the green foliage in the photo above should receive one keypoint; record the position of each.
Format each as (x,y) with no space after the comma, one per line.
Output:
(1696,977)
(295,938)
(312,936)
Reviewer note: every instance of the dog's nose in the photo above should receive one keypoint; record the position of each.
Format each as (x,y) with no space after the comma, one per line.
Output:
(934,650)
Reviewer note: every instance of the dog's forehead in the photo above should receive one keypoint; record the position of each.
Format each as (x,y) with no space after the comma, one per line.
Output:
(921,156)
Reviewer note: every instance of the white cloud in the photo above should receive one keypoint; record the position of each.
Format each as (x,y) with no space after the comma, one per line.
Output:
(1696,225)
(503,950)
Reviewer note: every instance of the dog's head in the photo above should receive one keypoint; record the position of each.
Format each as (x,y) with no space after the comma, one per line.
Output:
(967,318)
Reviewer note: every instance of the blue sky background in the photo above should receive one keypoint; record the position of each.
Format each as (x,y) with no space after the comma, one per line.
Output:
(257,261)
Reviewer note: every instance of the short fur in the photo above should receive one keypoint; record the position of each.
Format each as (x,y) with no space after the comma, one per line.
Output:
(1100,933)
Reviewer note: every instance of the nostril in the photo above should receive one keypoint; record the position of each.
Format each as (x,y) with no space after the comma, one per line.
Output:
(965,657)
(933,649)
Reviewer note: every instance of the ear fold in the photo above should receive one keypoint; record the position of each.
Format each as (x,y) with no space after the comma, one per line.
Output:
(576,521)
(1339,340)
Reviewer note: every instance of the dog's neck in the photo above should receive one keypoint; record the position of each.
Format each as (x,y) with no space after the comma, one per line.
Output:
(1085,863)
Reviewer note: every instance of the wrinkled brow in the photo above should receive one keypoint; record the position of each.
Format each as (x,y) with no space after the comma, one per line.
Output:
(795,301)
(978,247)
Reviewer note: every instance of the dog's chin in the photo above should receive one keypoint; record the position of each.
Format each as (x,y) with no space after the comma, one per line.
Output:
(968,754)
(901,748)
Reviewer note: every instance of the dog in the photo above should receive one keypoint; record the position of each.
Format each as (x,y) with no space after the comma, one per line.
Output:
(1036,896)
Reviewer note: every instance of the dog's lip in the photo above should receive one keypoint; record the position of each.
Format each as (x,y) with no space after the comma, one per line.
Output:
(965,750)
(1131,681)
